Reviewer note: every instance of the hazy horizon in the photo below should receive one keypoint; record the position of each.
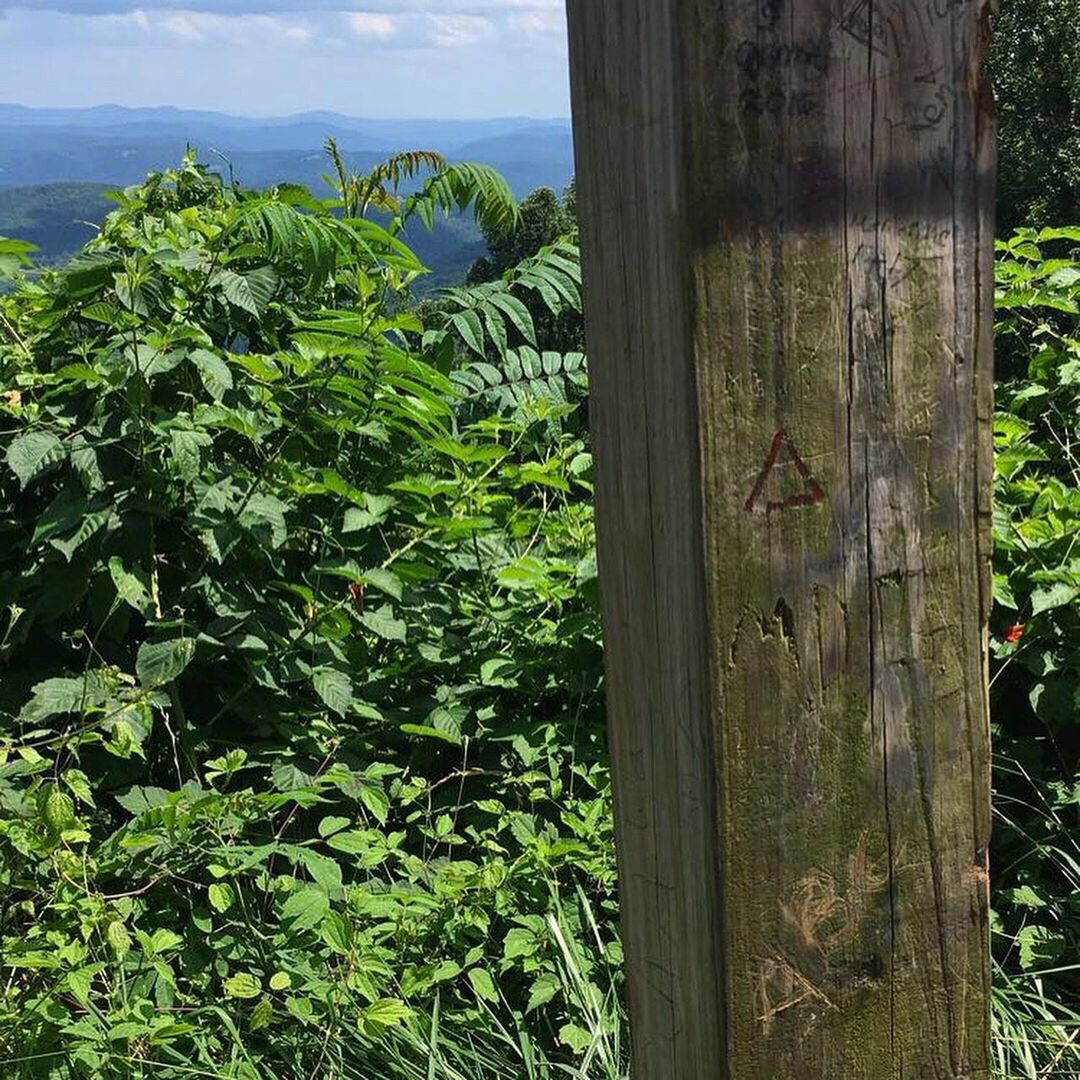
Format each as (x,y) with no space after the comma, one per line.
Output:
(494,117)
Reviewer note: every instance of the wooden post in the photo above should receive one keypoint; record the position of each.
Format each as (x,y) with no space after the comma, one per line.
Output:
(787,230)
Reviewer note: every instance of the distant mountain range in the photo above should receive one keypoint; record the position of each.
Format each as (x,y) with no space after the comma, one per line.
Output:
(54,163)
(39,146)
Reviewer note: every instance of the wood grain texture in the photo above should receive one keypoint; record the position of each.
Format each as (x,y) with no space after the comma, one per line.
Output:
(787,230)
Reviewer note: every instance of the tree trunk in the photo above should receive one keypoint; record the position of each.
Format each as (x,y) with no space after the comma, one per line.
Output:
(788,240)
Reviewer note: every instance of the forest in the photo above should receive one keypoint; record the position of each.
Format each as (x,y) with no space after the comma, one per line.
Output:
(303,766)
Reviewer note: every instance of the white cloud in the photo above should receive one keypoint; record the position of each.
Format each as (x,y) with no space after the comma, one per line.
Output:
(183,26)
(541,22)
(200,26)
(457,31)
(370,24)
(398,57)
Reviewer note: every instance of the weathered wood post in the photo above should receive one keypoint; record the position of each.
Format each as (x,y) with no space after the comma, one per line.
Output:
(787,230)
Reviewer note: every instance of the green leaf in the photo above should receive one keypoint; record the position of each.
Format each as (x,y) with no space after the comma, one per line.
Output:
(325,871)
(57,810)
(116,934)
(239,292)
(243,986)
(334,688)
(162,941)
(160,663)
(575,1037)
(383,623)
(59,697)
(261,1015)
(31,454)
(306,908)
(131,586)
(79,785)
(330,825)
(483,984)
(543,990)
(1053,596)
(470,329)
(519,942)
(266,514)
(214,372)
(337,933)
(221,896)
(385,581)
(349,843)
(384,1014)
(377,801)
(280,980)
(186,452)
(88,527)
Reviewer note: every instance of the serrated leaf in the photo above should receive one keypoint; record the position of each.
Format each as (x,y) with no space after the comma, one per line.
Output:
(377,801)
(577,1038)
(57,697)
(280,980)
(266,514)
(214,372)
(159,663)
(31,454)
(306,908)
(325,871)
(519,942)
(243,986)
(165,941)
(385,581)
(334,688)
(79,785)
(131,586)
(385,1014)
(261,1015)
(238,291)
(81,982)
(87,528)
(330,825)
(57,810)
(383,623)
(349,843)
(543,990)
(337,933)
(186,452)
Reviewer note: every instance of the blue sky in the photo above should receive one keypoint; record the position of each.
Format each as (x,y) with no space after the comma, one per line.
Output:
(421,58)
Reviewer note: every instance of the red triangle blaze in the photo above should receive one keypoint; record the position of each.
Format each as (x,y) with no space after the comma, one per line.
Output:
(812,491)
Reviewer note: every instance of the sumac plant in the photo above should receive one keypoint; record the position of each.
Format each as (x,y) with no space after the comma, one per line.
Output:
(300,740)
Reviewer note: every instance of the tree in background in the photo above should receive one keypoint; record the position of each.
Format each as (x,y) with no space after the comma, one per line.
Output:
(543,220)
(1035,64)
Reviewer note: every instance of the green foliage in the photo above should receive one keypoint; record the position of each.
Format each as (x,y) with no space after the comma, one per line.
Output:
(544,223)
(1036,645)
(302,767)
(56,217)
(1035,65)
(448,188)
(301,752)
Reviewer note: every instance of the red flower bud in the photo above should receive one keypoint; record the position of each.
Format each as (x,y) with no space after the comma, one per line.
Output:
(1014,633)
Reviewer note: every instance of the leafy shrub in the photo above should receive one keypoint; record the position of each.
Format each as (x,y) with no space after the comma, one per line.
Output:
(302,770)
(301,753)
(1036,645)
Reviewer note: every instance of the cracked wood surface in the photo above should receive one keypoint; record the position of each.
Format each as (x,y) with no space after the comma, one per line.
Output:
(788,250)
